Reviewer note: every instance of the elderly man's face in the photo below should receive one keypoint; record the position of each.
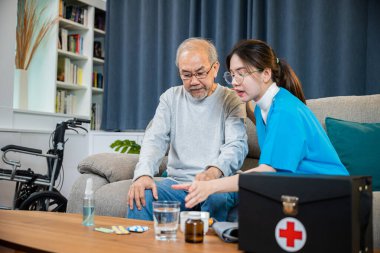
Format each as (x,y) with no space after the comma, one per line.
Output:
(197,72)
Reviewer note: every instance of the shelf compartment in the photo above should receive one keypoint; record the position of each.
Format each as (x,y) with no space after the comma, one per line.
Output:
(71,25)
(99,32)
(72,56)
(98,61)
(70,86)
(96,91)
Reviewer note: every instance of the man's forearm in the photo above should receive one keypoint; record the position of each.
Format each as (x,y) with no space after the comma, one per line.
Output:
(215,172)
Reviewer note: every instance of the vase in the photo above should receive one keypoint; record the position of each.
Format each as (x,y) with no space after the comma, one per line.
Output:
(21,89)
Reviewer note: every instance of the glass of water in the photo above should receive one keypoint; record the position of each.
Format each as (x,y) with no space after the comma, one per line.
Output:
(166,217)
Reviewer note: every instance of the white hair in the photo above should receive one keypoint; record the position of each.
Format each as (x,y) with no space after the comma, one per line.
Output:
(198,43)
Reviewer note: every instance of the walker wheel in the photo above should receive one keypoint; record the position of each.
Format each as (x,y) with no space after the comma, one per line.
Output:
(48,201)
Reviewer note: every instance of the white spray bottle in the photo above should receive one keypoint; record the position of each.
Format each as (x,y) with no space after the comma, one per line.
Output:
(88,204)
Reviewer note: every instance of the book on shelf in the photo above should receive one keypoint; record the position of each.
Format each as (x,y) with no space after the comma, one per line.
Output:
(97,80)
(75,43)
(72,44)
(94,81)
(80,76)
(100,20)
(65,102)
(61,69)
(61,8)
(62,38)
(76,14)
(96,116)
(69,72)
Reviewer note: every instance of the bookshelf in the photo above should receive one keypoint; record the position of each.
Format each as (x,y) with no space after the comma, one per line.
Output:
(60,76)
(97,85)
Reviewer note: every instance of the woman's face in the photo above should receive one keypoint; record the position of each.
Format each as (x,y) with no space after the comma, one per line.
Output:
(249,84)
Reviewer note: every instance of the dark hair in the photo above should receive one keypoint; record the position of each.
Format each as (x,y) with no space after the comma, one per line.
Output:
(259,54)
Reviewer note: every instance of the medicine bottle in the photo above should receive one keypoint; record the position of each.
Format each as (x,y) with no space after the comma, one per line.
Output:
(194,228)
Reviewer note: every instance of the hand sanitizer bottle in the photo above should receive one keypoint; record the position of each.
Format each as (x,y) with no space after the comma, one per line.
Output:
(88,204)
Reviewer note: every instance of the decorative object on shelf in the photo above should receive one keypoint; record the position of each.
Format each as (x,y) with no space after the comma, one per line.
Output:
(21,86)
(126,146)
(100,20)
(30,32)
(98,50)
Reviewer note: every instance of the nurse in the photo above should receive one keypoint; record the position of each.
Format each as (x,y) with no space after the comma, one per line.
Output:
(290,137)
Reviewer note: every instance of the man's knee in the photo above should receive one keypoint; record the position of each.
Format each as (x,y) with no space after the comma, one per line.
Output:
(219,206)
(148,196)
(146,211)
(216,199)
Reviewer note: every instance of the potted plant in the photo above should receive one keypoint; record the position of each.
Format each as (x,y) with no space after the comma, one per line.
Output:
(126,146)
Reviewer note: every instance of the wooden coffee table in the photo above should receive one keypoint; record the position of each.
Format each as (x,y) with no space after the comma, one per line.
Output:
(29,231)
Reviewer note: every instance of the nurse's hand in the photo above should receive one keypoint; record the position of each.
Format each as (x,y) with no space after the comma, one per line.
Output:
(198,192)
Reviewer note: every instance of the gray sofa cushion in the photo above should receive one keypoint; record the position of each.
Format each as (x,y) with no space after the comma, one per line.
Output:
(350,108)
(113,166)
(112,199)
(109,165)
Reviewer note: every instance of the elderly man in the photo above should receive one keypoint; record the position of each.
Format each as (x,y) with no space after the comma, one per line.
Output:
(203,123)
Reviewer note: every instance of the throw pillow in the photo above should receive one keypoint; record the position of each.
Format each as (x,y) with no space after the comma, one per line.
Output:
(357,145)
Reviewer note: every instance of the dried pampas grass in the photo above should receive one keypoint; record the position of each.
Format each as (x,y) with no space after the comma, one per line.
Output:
(28,38)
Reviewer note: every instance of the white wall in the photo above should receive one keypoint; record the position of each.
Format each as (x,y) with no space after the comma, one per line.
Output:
(8,14)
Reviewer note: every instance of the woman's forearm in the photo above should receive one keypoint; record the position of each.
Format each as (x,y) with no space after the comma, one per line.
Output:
(261,168)
(231,184)
(225,184)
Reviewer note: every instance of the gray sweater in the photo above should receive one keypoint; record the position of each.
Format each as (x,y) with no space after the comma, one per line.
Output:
(201,133)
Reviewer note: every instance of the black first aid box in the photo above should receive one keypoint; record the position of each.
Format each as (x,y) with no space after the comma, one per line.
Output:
(305,213)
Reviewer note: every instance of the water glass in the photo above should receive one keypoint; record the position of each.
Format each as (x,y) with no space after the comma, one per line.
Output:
(166,217)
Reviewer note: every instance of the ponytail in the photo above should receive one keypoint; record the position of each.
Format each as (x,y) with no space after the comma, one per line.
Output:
(287,79)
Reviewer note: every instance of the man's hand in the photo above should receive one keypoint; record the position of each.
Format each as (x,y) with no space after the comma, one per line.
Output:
(198,192)
(209,174)
(137,191)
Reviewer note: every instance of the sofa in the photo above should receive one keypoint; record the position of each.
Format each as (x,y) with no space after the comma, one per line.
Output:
(112,172)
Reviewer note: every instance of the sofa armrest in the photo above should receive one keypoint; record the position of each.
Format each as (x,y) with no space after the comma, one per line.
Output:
(376,219)
(76,195)
(111,166)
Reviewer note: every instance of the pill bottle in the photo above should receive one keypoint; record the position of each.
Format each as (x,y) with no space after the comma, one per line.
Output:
(194,228)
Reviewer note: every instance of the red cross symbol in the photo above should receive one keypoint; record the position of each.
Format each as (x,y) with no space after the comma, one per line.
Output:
(290,234)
